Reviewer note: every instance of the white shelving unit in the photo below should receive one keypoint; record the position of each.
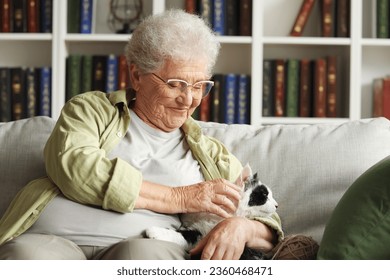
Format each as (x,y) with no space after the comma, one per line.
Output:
(362,56)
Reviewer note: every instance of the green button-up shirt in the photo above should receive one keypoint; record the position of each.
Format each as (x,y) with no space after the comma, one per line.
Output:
(89,127)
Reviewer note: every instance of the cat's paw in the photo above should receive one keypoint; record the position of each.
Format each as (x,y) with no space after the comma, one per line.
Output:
(166,235)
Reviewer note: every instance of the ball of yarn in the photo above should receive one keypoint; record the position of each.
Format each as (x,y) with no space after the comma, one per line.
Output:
(296,247)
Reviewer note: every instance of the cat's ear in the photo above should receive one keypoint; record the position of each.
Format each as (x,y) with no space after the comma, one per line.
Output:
(246,172)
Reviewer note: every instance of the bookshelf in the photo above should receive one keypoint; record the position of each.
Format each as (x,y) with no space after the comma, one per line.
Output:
(363,57)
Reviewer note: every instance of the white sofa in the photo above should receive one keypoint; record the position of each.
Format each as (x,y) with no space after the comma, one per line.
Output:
(309,167)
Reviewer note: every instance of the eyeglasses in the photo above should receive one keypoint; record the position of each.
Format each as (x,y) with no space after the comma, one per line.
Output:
(199,89)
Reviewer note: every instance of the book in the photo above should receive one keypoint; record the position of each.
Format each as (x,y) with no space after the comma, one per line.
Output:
(381,104)
(305,88)
(245,18)
(232,17)
(33,16)
(18,96)
(5,16)
(205,11)
(382,18)
(32,89)
(243,99)
(331,96)
(86,73)
(205,108)
(112,73)
(190,6)
(327,18)
(268,87)
(5,95)
(319,90)
(86,16)
(19,16)
(279,90)
(44,100)
(216,99)
(229,99)
(46,16)
(219,17)
(302,17)
(99,72)
(342,18)
(123,73)
(73,17)
(292,87)
(73,75)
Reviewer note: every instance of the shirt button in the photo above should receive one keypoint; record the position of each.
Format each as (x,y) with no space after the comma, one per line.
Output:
(119,134)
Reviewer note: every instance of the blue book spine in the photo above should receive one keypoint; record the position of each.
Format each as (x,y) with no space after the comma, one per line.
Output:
(86,17)
(230,98)
(243,100)
(219,17)
(112,73)
(45,92)
(46,16)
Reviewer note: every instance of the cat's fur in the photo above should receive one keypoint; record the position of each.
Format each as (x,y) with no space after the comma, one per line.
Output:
(256,201)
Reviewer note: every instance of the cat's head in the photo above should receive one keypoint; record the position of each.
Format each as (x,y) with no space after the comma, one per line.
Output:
(256,197)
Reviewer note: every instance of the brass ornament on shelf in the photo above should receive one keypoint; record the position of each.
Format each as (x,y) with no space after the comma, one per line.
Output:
(124,15)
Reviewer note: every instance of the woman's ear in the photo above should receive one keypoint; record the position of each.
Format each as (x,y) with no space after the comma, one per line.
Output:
(134,76)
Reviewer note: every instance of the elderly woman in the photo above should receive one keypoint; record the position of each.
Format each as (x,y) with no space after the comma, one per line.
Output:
(118,163)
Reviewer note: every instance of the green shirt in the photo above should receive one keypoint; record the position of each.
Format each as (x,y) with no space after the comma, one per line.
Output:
(89,127)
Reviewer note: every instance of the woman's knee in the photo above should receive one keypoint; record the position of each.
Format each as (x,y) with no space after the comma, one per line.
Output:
(40,247)
(145,249)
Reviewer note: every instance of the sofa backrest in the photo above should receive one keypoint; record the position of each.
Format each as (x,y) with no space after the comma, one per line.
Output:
(308,167)
(21,155)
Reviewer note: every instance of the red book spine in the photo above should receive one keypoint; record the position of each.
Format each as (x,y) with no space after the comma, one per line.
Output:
(280,92)
(386,97)
(123,73)
(302,17)
(6,16)
(32,15)
(332,87)
(320,88)
(327,18)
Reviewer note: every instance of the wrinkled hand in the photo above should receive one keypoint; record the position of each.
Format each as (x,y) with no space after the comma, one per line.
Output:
(226,241)
(217,196)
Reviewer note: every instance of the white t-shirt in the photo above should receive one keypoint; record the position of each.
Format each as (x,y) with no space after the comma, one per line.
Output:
(162,157)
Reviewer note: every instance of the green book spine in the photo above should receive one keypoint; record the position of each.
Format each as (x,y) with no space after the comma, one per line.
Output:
(292,87)
(382,18)
(73,81)
(74,8)
(86,81)
(268,87)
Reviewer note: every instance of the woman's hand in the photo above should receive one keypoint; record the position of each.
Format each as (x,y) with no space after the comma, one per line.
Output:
(217,196)
(227,240)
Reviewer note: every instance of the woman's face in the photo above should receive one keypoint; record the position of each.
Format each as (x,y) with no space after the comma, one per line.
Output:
(161,106)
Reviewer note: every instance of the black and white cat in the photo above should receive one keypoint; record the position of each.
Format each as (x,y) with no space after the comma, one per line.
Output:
(256,201)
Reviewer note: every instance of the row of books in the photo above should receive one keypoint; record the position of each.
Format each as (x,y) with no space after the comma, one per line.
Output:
(226,17)
(382,11)
(106,73)
(25,16)
(300,87)
(228,101)
(24,92)
(381,97)
(334,16)
(81,16)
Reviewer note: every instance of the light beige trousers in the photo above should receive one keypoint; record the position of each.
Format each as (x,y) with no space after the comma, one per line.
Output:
(31,246)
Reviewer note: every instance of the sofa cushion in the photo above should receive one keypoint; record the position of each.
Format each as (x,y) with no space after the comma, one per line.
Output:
(21,154)
(360,224)
(309,167)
